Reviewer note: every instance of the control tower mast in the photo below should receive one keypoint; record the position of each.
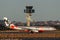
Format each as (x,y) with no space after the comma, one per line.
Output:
(29,12)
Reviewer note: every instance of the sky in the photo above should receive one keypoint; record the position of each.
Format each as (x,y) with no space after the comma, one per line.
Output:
(45,10)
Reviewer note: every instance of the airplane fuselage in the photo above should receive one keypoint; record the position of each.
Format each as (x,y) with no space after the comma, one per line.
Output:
(32,28)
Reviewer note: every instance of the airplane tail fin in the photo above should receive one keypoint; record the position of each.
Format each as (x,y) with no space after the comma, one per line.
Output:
(6,21)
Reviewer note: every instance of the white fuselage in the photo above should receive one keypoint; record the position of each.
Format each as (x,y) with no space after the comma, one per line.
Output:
(35,29)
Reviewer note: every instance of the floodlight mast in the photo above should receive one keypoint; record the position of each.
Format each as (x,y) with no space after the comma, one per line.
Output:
(29,12)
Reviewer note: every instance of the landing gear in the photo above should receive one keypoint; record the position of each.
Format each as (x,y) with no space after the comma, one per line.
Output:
(31,31)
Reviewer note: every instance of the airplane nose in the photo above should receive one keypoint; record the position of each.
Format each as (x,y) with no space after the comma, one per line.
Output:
(52,28)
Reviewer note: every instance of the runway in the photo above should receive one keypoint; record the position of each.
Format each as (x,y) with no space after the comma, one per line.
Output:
(22,32)
(18,34)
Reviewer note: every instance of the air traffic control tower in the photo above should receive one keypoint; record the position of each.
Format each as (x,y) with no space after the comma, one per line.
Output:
(29,12)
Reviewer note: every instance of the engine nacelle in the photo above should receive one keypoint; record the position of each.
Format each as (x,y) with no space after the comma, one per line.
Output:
(41,31)
(26,30)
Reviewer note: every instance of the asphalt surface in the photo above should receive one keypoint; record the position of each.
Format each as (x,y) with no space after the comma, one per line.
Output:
(20,32)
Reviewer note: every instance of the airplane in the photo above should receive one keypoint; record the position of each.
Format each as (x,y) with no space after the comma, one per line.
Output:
(28,29)
(32,28)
